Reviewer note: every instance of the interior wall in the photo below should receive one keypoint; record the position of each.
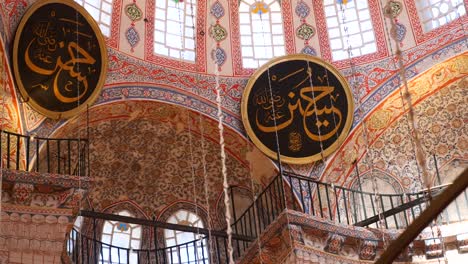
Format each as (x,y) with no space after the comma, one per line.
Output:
(440,109)
(156,154)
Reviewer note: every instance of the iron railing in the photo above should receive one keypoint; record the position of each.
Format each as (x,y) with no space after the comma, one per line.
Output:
(334,203)
(46,155)
(338,204)
(210,247)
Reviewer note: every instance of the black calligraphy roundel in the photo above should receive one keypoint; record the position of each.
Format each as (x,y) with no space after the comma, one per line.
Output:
(59,58)
(300,104)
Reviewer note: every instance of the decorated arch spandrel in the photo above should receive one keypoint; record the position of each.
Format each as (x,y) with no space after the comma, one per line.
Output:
(438,101)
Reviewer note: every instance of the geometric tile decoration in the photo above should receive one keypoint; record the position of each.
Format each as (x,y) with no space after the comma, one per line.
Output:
(132,36)
(217,10)
(302,9)
(218,33)
(219,56)
(134,13)
(398,31)
(309,50)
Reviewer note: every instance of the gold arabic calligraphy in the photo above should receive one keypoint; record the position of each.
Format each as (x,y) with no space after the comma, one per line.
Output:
(43,47)
(307,96)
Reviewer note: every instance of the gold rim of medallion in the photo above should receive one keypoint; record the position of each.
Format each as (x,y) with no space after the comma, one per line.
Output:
(292,160)
(102,47)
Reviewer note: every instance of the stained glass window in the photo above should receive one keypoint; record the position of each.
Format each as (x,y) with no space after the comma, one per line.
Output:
(349,25)
(174,29)
(101,11)
(261,31)
(186,247)
(436,13)
(122,235)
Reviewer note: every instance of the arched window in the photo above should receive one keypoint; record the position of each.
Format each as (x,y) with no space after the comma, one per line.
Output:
(182,246)
(362,207)
(436,13)
(101,11)
(349,24)
(261,31)
(174,29)
(123,235)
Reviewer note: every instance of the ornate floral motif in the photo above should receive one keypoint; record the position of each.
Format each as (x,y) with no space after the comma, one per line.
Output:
(302,10)
(334,243)
(398,31)
(219,56)
(367,250)
(124,147)
(218,32)
(393,9)
(133,12)
(217,10)
(132,36)
(309,50)
(22,193)
(305,31)
(379,119)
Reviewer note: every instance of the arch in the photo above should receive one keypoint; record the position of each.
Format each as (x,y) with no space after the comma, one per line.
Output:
(241,199)
(446,173)
(365,205)
(189,214)
(120,234)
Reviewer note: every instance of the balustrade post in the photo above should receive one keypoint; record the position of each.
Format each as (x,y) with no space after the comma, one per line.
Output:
(95,254)
(155,231)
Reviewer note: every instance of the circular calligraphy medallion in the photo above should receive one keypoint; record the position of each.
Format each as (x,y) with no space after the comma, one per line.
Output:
(302,104)
(59,58)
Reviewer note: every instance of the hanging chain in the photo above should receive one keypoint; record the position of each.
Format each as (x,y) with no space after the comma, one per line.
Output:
(205,181)
(369,154)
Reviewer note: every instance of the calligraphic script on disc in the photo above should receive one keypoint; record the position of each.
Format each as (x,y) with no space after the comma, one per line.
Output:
(299,103)
(59,58)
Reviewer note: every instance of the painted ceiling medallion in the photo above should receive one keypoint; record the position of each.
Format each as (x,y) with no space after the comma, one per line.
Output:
(217,10)
(133,12)
(313,108)
(58,73)
(393,9)
(302,9)
(305,31)
(218,33)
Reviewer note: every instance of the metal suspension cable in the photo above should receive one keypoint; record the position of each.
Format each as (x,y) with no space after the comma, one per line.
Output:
(205,181)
